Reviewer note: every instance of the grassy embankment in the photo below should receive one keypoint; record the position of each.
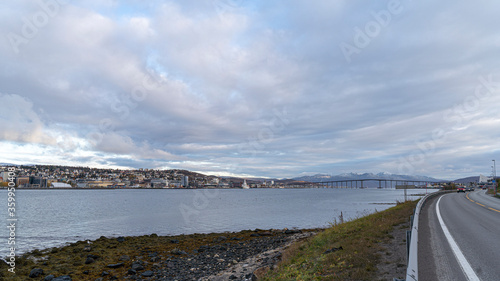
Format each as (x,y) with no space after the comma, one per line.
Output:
(360,240)
(490,191)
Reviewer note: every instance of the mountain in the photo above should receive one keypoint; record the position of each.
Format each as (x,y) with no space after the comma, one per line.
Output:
(467,180)
(356,176)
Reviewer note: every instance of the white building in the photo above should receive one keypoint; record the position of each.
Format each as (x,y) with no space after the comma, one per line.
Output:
(484,179)
(59,185)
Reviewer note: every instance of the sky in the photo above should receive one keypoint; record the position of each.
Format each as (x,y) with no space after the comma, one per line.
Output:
(252,88)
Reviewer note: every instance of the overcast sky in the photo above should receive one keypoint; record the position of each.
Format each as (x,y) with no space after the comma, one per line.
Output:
(258,88)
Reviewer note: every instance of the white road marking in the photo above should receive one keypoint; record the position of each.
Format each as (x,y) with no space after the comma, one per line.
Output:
(462,261)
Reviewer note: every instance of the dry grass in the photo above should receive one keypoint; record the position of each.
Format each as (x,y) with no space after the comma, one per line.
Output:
(357,260)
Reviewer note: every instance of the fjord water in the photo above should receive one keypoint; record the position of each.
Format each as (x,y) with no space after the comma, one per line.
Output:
(48,218)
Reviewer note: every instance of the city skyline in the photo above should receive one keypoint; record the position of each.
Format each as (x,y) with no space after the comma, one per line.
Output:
(228,87)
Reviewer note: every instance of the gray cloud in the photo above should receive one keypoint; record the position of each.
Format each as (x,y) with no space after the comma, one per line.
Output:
(257,88)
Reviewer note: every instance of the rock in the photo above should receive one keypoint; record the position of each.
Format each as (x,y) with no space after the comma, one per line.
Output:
(137,266)
(148,273)
(233,277)
(120,239)
(333,250)
(170,265)
(115,265)
(131,272)
(292,231)
(36,272)
(124,258)
(236,239)
(104,273)
(93,256)
(153,235)
(89,260)
(267,233)
(62,278)
(49,278)
(174,241)
(254,235)
(86,272)
(203,248)
(221,238)
(250,277)
(87,248)
(99,279)
(178,252)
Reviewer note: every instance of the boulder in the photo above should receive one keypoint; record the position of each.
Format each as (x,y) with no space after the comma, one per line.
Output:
(36,272)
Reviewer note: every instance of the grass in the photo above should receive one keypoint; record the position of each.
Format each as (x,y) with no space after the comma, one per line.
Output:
(490,191)
(360,240)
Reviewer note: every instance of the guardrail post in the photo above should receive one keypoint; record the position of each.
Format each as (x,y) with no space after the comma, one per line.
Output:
(408,239)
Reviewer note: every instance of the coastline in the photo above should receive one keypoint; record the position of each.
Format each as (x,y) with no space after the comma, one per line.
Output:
(369,247)
(214,256)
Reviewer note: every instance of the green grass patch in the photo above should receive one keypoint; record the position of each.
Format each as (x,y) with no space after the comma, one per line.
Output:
(360,240)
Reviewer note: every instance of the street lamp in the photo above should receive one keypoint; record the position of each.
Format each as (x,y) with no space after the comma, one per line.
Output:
(494,175)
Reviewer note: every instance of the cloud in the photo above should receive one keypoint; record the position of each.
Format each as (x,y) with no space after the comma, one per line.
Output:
(20,123)
(258,88)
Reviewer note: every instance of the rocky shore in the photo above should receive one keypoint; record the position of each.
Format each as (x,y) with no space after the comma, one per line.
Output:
(223,256)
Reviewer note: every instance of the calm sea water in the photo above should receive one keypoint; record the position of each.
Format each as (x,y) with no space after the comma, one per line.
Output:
(48,218)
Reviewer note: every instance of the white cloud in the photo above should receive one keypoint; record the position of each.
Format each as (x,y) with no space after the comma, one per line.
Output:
(19,122)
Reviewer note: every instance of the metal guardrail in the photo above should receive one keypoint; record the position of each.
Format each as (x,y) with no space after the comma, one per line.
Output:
(412,269)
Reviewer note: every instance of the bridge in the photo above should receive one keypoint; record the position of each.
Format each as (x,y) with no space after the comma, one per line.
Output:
(361,183)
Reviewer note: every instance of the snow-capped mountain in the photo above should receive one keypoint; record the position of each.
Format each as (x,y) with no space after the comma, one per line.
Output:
(357,176)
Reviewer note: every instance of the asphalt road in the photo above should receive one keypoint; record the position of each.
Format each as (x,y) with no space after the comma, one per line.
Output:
(465,243)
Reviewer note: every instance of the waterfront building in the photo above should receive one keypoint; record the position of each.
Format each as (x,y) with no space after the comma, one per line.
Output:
(185,181)
(22,181)
(59,185)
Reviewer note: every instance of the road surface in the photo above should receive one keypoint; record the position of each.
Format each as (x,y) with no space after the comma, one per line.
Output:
(459,238)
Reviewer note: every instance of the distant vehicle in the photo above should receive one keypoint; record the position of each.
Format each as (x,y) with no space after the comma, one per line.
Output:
(461,189)
(472,189)
(467,189)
